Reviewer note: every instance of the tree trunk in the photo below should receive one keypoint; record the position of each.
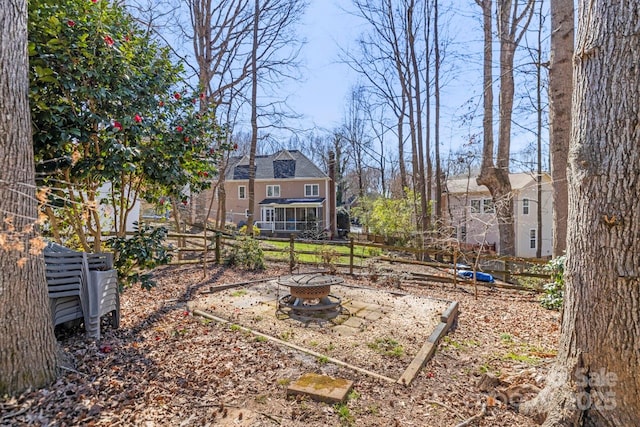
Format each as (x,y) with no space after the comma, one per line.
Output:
(27,342)
(595,380)
(436,142)
(539,110)
(511,28)
(560,88)
(254,120)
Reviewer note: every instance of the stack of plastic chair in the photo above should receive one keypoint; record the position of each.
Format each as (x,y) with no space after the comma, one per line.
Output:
(82,286)
(102,293)
(65,272)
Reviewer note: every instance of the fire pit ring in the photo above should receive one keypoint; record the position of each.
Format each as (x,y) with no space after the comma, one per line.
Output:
(310,295)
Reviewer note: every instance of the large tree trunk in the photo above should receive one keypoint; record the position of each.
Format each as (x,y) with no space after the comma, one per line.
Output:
(595,380)
(560,88)
(511,25)
(27,343)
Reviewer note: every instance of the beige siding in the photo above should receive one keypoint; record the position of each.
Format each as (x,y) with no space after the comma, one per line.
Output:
(291,188)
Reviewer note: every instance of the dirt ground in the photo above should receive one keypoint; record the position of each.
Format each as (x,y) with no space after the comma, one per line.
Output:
(168,367)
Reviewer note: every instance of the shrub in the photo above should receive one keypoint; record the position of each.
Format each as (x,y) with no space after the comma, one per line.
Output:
(136,255)
(243,230)
(329,257)
(554,291)
(247,254)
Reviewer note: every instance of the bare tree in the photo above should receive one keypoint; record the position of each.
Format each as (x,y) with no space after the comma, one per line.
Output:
(595,380)
(354,133)
(274,50)
(393,59)
(27,342)
(436,142)
(560,89)
(511,25)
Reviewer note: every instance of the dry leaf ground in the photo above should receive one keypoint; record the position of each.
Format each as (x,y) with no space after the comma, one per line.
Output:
(167,367)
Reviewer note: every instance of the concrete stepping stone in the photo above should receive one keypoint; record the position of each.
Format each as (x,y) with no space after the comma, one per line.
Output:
(321,388)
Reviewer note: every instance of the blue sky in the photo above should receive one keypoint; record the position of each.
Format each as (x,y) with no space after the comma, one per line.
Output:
(321,97)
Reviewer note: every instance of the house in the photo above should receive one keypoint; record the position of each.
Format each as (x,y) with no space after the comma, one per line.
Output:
(292,194)
(471,214)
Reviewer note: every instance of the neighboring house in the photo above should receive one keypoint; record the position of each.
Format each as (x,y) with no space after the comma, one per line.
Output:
(107,214)
(291,193)
(469,208)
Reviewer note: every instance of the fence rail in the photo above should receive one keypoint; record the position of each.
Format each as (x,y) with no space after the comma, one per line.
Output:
(351,255)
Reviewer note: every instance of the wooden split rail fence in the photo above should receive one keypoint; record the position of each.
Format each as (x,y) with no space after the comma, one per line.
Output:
(352,255)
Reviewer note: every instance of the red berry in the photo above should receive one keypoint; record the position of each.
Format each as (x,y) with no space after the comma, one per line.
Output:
(137,118)
(71,23)
(176,95)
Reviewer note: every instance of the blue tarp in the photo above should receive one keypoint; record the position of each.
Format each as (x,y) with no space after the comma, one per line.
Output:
(482,277)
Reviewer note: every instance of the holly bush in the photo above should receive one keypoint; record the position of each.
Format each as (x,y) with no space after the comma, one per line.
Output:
(137,255)
(553,297)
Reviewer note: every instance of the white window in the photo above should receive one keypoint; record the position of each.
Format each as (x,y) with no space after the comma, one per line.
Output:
(475,205)
(533,240)
(273,191)
(463,233)
(487,206)
(246,213)
(311,190)
(525,206)
(242,192)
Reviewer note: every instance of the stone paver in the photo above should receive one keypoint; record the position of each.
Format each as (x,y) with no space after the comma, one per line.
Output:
(346,331)
(370,314)
(321,388)
(354,322)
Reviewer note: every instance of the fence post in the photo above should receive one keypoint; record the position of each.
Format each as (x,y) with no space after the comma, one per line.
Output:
(218,244)
(455,268)
(351,256)
(292,254)
(507,271)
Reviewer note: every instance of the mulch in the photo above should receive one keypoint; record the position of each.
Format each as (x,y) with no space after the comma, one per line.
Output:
(167,367)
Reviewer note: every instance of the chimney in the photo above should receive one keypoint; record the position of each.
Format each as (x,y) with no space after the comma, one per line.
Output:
(332,195)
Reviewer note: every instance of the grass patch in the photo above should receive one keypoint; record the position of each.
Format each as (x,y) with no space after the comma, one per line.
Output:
(283,382)
(235,327)
(450,343)
(286,335)
(523,358)
(311,253)
(506,338)
(346,418)
(323,360)
(238,293)
(387,346)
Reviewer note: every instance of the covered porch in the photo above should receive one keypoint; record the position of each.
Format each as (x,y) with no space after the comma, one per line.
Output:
(291,215)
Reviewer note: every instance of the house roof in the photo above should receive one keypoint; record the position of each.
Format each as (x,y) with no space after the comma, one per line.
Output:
(285,164)
(457,185)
